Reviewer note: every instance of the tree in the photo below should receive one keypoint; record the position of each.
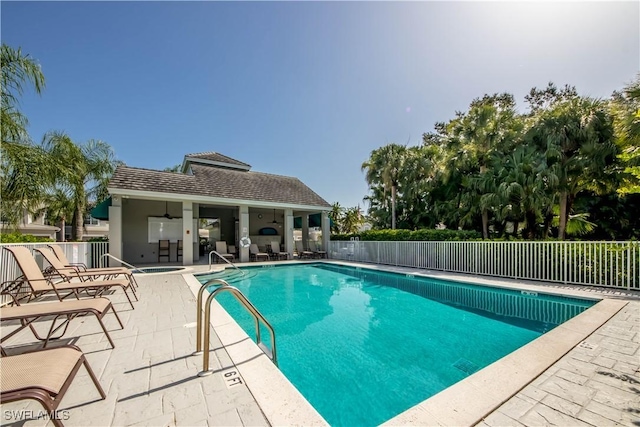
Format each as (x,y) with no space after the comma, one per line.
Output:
(24,168)
(352,220)
(335,215)
(82,171)
(576,135)
(384,168)
(625,108)
(490,125)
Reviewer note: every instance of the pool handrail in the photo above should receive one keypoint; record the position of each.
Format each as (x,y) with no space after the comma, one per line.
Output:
(132,267)
(225,260)
(242,299)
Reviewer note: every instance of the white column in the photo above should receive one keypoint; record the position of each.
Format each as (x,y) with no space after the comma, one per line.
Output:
(326,231)
(115,227)
(196,244)
(187,233)
(288,232)
(305,231)
(243,230)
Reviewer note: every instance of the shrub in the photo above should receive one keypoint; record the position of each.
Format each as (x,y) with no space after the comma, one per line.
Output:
(16,237)
(404,235)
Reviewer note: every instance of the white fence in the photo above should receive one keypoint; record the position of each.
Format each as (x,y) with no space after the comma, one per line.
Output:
(88,253)
(611,264)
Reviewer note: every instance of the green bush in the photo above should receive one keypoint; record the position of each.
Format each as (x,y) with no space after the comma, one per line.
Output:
(16,237)
(404,235)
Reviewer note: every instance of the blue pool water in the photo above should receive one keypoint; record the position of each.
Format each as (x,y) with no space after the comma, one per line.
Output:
(363,346)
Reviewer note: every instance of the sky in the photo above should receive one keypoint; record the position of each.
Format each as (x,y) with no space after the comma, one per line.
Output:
(304,89)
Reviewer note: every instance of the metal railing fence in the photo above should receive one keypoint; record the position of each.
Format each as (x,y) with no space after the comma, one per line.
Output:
(610,264)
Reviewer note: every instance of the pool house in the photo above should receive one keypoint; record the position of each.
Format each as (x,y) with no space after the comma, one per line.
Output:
(214,198)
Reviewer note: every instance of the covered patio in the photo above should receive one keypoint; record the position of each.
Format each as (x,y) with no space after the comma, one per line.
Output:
(215,198)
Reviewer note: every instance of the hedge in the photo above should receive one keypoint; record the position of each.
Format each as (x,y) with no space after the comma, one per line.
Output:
(22,238)
(403,235)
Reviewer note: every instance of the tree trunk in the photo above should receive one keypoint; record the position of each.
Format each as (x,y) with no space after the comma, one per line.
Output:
(393,207)
(78,223)
(485,212)
(516,224)
(562,227)
(63,231)
(485,224)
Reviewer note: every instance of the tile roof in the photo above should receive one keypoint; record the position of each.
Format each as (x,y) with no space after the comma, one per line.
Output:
(216,157)
(211,181)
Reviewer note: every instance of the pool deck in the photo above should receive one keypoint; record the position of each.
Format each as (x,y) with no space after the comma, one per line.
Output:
(588,375)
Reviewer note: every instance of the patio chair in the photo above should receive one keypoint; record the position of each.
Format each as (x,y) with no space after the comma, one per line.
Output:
(255,254)
(57,250)
(44,375)
(301,252)
(277,253)
(313,247)
(163,249)
(179,250)
(39,284)
(58,269)
(221,248)
(27,314)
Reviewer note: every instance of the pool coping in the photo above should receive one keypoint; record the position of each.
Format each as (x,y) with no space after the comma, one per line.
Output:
(465,403)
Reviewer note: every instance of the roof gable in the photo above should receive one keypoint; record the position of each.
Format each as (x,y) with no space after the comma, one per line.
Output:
(211,158)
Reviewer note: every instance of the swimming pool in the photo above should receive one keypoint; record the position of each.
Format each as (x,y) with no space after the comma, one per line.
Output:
(363,346)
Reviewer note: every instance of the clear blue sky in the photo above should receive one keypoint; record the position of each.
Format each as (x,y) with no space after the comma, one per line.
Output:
(301,89)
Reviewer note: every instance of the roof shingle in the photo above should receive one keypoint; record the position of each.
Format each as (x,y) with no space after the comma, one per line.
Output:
(211,181)
(216,157)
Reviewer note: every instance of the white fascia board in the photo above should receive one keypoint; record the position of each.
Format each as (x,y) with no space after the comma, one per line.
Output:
(215,163)
(152,195)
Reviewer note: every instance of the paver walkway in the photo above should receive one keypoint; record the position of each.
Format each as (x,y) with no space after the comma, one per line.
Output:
(595,384)
(150,377)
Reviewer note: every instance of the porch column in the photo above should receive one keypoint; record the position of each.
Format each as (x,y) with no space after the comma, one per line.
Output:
(243,230)
(196,235)
(187,233)
(305,231)
(288,232)
(325,224)
(115,228)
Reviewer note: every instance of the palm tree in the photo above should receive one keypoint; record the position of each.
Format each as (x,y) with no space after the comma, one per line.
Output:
(490,125)
(336,215)
(577,137)
(385,167)
(625,109)
(352,220)
(24,169)
(83,171)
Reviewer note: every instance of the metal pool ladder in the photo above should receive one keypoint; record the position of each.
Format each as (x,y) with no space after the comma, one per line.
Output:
(224,259)
(242,299)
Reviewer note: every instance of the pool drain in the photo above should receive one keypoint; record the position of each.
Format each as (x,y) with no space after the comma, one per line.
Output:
(466,366)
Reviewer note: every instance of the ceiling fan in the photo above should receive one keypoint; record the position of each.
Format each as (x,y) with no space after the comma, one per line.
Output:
(166,211)
(274,218)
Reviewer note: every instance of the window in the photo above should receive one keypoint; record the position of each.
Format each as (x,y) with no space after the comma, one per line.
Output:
(89,220)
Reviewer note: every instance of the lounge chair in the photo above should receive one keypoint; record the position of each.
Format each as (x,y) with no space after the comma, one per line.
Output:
(39,284)
(277,253)
(43,375)
(255,254)
(313,247)
(57,268)
(57,250)
(221,248)
(301,252)
(27,314)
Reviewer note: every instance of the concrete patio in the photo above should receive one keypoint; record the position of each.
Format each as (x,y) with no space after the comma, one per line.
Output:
(151,377)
